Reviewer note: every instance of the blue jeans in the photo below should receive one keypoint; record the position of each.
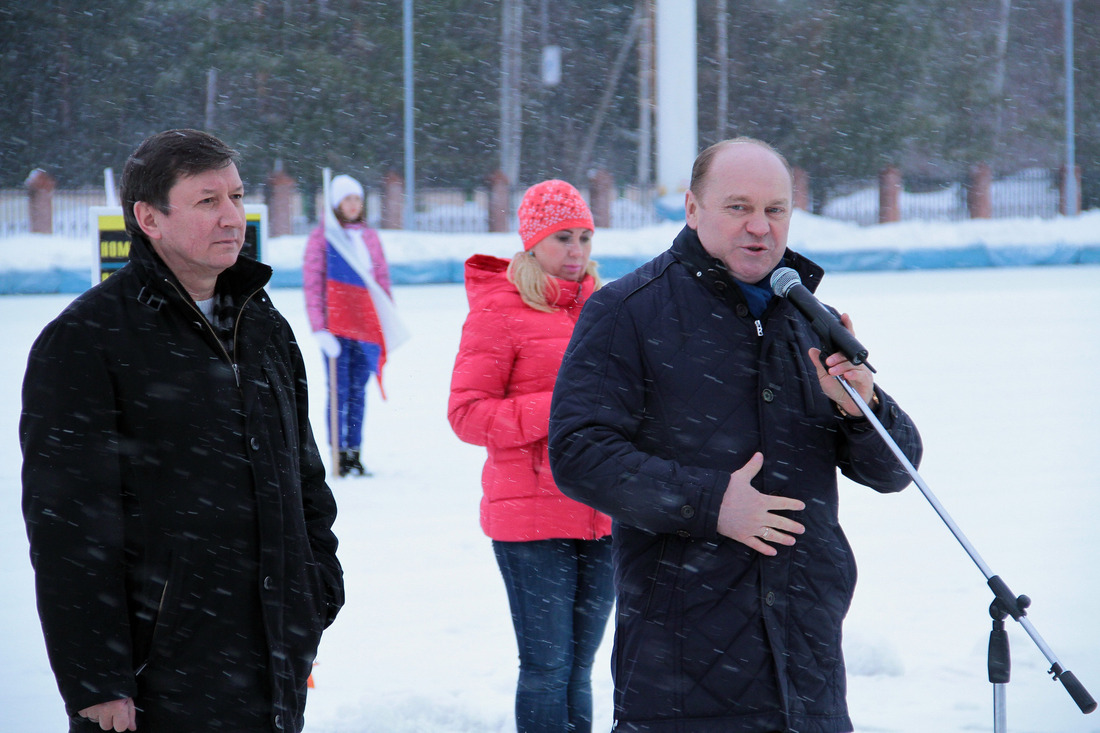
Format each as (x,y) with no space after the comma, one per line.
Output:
(356,362)
(560,592)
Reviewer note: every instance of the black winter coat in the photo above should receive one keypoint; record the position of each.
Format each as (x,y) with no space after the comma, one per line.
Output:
(668,386)
(175,502)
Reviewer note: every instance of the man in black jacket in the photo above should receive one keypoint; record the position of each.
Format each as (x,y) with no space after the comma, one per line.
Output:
(175,501)
(693,407)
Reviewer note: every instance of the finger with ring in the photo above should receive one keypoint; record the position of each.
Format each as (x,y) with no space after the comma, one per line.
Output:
(765,533)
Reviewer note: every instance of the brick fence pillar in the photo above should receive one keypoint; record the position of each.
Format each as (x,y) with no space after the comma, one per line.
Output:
(280,195)
(393,201)
(40,187)
(499,205)
(979,192)
(889,195)
(601,187)
(1063,209)
(801,179)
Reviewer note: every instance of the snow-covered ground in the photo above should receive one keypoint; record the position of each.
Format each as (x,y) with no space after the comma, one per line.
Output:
(1012,241)
(997,366)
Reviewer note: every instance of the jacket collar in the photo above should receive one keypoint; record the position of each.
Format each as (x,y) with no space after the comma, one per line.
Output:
(485,274)
(687,249)
(245,277)
(570,293)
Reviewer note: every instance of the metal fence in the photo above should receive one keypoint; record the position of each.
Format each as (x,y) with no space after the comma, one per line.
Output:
(452,210)
(466,211)
(70,211)
(1033,192)
(1026,193)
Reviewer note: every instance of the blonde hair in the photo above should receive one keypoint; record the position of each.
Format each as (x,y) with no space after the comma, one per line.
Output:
(534,285)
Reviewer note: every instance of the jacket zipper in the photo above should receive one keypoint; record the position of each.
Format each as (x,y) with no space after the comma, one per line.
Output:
(237,378)
(210,328)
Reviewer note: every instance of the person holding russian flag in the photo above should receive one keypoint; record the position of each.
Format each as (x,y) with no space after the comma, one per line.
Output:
(349,302)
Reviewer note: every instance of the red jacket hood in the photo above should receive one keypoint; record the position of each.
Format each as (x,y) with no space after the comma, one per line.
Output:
(486,275)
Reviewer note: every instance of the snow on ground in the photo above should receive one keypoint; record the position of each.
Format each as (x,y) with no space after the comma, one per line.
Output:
(38,252)
(997,367)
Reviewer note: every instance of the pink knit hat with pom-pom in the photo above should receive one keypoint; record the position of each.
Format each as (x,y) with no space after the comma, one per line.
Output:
(549,207)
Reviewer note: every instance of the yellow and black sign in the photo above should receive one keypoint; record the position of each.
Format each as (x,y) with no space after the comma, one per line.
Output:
(111,244)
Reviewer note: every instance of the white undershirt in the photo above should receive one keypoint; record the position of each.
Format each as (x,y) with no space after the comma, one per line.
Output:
(207,308)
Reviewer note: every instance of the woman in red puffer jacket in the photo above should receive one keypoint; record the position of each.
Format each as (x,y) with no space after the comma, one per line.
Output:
(554,553)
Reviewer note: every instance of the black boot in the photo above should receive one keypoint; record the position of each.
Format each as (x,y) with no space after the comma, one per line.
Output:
(345,466)
(349,464)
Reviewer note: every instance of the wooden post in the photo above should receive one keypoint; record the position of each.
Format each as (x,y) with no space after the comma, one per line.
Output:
(499,205)
(979,192)
(889,195)
(40,187)
(280,193)
(393,201)
(1063,209)
(801,178)
(601,187)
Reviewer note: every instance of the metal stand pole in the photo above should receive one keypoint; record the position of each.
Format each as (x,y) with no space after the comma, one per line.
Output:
(333,415)
(1005,603)
(1000,663)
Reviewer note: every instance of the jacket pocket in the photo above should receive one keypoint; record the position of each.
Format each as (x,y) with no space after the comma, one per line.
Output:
(666,575)
(149,644)
(164,598)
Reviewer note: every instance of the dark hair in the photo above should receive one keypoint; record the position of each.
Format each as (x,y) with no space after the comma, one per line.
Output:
(361,219)
(702,163)
(160,161)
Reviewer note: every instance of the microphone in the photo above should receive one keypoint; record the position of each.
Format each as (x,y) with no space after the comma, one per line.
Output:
(787,284)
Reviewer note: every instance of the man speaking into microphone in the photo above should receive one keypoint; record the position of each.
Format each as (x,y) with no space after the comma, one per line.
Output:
(702,413)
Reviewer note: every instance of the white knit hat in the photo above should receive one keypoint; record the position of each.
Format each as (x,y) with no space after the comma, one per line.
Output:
(342,186)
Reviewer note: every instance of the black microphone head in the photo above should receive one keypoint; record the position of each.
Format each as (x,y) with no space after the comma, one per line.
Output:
(783,279)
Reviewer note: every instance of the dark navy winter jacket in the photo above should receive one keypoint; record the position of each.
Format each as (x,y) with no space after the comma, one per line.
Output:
(668,386)
(175,501)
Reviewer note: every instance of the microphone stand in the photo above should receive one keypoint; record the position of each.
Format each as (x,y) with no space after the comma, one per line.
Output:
(1005,603)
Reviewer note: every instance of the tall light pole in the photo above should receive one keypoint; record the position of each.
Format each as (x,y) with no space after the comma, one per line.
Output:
(645,94)
(677,72)
(511,76)
(722,52)
(409,214)
(1071,153)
